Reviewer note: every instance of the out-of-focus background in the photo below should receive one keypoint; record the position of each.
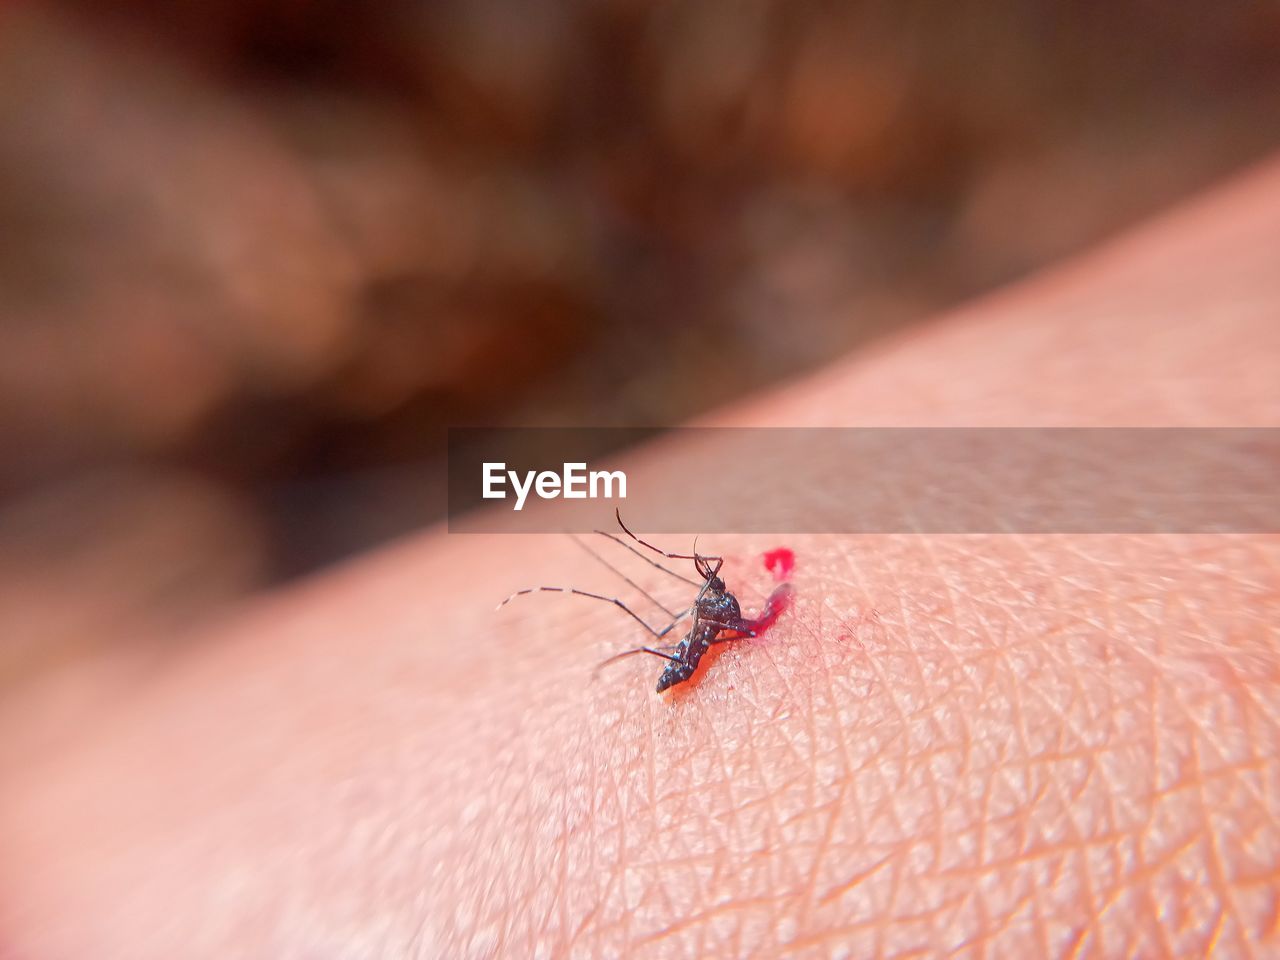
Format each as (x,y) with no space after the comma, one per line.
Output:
(256,255)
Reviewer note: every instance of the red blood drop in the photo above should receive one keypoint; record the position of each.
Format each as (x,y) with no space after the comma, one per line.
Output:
(780,562)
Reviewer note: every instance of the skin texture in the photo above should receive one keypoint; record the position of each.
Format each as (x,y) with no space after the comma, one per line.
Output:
(980,746)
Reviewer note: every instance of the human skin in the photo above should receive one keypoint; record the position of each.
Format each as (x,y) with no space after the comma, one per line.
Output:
(999,746)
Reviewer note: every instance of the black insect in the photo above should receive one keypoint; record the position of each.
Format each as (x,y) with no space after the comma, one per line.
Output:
(717,617)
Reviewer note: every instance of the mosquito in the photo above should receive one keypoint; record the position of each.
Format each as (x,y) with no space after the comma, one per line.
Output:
(717,616)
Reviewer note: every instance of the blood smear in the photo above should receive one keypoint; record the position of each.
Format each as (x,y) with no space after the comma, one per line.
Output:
(780,562)
(774,607)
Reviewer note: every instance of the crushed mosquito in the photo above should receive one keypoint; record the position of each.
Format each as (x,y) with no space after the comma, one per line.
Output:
(717,616)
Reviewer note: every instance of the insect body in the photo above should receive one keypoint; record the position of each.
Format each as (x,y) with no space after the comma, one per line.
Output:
(717,617)
(715,611)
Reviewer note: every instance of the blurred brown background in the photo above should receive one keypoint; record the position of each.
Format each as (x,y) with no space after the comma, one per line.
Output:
(255,255)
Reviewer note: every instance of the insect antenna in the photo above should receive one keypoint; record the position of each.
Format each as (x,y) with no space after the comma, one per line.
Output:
(670,556)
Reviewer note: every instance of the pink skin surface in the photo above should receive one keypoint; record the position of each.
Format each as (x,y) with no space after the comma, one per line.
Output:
(1039,746)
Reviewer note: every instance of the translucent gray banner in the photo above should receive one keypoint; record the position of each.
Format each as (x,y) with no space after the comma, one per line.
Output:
(867,480)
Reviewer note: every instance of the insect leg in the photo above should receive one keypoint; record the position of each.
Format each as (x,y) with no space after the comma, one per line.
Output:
(632,652)
(595,596)
(740,635)
(631,583)
(738,624)
(622,543)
